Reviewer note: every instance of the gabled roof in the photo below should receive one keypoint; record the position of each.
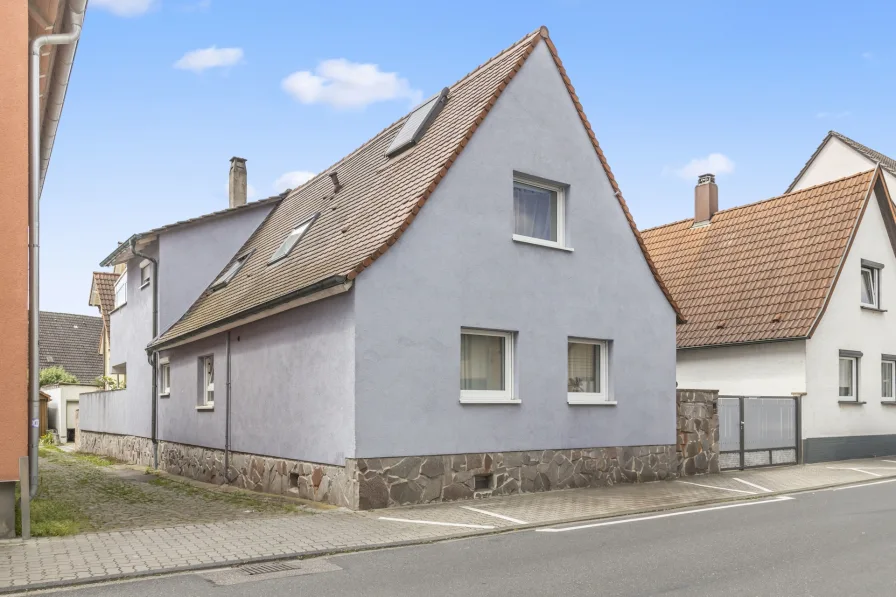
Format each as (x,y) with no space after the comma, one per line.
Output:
(378,200)
(887,163)
(102,294)
(122,252)
(70,341)
(763,271)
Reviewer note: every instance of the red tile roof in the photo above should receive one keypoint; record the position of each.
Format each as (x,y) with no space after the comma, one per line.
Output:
(762,271)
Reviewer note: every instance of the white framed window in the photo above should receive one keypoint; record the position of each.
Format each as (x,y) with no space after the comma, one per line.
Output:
(292,239)
(145,273)
(539,212)
(121,289)
(870,287)
(486,366)
(231,271)
(587,371)
(888,380)
(849,367)
(164,378)
(207,381)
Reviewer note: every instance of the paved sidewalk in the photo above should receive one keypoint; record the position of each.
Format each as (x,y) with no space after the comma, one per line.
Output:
(104,556)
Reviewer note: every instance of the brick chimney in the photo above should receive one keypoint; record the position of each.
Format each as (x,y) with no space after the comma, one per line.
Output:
(706,199)
(238,182)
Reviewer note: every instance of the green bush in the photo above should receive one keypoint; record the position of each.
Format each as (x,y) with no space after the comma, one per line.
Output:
(56,375)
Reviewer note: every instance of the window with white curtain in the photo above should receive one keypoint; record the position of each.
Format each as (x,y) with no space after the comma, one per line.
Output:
(486,366)
(538,213)
(121,289)
(587,371)
(848,378)
(207,381)
(887,379)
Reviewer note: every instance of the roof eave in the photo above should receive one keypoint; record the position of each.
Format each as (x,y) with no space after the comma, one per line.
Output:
(744,343)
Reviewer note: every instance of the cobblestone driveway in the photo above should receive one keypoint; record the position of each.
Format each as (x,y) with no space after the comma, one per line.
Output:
(119,498)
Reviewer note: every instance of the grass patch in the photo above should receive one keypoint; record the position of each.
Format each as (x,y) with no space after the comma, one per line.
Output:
(50,517)
(94,459)
(238,499)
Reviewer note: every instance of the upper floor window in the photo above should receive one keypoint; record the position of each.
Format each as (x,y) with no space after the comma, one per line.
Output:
(121,289)
(587,371)
(871,284)
(539,212)
(225,278)
(486,366)
(145,273)
(292,239)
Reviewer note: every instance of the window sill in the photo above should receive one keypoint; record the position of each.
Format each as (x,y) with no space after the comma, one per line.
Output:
(207,407)
(541,243)
(851,402)
(873,309)
(144,285)
(888,402)
(166,395)
(591,402)
(490,401)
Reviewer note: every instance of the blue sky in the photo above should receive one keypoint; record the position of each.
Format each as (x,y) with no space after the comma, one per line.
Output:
(149,123)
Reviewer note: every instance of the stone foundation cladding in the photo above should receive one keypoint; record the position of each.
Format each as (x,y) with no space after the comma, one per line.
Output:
(386,482)
(312,481)
(368,483)
(698,431)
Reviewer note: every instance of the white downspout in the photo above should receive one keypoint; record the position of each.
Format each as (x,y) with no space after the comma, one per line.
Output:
(39,156)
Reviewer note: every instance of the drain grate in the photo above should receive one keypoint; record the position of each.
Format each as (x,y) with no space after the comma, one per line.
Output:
(253,569)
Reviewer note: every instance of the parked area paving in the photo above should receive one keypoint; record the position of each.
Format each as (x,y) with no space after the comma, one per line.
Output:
(106,555)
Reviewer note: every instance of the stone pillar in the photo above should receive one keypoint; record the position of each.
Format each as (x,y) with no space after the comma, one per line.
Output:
(698,431)
(7,509)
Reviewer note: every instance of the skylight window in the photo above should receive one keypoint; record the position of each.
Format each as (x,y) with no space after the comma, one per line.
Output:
(417,123)
(292,239)
(225,278)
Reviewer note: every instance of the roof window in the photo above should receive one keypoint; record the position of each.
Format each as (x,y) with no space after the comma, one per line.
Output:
(417,123)
(231,272)
(292,239)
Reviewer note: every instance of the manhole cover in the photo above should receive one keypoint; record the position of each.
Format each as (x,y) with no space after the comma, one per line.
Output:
(253,569)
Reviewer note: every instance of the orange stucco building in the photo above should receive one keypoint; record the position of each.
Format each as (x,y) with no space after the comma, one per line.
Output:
(21,21)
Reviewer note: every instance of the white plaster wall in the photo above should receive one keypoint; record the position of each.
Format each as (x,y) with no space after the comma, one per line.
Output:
(847,326)
(835,160)
(60,396)
(769,369)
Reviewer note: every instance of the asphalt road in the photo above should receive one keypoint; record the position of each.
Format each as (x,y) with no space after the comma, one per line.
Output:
(826,543)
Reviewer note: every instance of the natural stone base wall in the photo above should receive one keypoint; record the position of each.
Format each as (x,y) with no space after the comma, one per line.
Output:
(386,482)
(325,483)
(698,431)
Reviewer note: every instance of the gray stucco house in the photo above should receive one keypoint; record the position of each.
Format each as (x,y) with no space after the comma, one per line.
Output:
(461,306)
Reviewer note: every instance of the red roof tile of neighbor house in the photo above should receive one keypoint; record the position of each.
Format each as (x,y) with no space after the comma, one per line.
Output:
(102,293)
(378,199)
(762,271)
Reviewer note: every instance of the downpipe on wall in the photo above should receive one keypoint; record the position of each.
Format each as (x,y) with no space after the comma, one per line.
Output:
(227,411)
(153,356)
(55,98)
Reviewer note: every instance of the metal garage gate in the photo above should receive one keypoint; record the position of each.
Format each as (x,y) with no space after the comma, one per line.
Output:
(758,431)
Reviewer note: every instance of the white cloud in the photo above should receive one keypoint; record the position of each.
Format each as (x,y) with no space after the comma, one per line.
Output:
(124,8)
(714,163)
(344,84)
(213,57)
(868,55)
(834,115)
(291,180)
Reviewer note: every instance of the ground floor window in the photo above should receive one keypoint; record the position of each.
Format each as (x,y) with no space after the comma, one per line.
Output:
(207,381)
(587,371)
(848,378)
(887,377)
(486,366)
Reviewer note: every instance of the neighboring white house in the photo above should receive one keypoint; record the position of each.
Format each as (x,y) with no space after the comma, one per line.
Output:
(838,156)
(793,295)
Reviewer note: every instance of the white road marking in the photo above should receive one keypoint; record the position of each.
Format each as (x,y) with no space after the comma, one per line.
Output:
(759,487)
(858,470)
(780,498)
(722,488)
(495,514)
(893,461)
(441,524)
(864,485)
